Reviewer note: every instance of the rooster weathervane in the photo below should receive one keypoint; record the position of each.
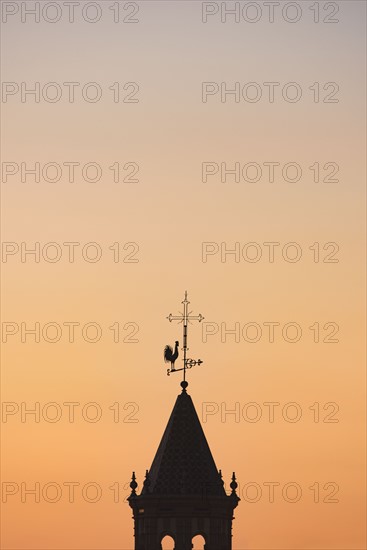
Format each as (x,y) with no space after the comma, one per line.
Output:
(170,356)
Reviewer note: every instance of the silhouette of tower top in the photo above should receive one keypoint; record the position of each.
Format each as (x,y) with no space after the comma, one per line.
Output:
(183,493)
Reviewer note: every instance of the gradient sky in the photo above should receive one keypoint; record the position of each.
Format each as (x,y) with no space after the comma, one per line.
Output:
(169,213)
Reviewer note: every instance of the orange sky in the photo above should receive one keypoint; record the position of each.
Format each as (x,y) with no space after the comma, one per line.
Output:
(163,221)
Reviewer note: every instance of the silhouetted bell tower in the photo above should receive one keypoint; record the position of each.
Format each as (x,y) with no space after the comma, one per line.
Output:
(183,493)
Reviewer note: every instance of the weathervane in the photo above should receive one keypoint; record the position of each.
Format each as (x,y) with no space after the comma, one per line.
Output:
(170,356)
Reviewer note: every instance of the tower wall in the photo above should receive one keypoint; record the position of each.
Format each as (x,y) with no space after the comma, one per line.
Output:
(182,519)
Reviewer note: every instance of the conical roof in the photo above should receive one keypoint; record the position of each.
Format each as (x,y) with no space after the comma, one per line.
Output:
(184,463)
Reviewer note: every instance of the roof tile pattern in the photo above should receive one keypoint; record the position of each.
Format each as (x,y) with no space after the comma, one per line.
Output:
(183,463)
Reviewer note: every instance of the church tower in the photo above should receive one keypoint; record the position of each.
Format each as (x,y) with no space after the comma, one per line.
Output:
(183,493)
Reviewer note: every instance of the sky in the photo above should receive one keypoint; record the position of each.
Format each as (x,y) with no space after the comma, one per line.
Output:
(173,146)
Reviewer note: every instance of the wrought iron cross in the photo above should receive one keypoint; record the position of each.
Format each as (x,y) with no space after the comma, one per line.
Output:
(185,318)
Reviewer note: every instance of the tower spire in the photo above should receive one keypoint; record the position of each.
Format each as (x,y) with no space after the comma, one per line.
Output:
(183,493)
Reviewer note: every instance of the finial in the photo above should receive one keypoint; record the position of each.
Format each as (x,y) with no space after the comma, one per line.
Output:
(234,484)
(184,385)
(147,480)
(221,476)
(133,485)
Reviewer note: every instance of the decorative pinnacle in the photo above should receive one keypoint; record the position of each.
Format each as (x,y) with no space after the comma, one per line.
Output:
(221,477)
(234,484)
(133,485)
(147,480)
